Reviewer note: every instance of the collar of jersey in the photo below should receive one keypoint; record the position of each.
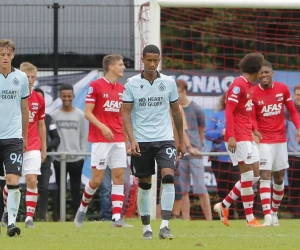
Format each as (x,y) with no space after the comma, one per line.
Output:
(12,70)
(143,77)
(265,89)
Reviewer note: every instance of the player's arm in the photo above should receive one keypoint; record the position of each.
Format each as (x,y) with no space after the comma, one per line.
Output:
(43,138)
(25,121)
(42,131)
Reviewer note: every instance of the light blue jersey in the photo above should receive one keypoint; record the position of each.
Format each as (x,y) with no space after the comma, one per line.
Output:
(151,120)
(13,88)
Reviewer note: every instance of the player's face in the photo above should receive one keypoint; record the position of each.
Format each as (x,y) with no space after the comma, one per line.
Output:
(151,62)
(118,68)
(67,97)
(6,56)
(297,97)
(266,76)
(31,74)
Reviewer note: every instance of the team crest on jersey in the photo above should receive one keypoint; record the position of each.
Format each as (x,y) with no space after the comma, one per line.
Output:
(236,90)
(90,90)
(120,95)
(162,87)
(15,81)
(35,106)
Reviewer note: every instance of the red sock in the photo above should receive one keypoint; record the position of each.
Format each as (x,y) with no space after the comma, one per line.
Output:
(31,200)
(117,199)
(278,192)
(265,195)
(233,195)
(247,194)
(87,196)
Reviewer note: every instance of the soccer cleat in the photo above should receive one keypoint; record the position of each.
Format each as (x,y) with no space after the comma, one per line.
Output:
(255,223)
(222,212)
(275,221)
(165,233)
(268,220)
(147,235)
(79,218)
(119,223)
(12,230)
(29,224)
(4,219)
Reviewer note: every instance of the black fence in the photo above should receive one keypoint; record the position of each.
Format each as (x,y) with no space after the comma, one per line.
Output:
(61,37)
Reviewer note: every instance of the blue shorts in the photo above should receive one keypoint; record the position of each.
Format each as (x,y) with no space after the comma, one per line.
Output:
(191,168)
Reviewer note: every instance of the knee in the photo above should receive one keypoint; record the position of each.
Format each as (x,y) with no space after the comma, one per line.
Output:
(168,179)
(144,185)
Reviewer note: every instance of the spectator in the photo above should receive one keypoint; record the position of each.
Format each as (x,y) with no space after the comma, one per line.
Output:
(53,141)
(294,161)
(192,165)
(72,131)
(226,174)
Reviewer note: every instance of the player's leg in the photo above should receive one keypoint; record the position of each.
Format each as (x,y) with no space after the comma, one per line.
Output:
(99,158)
(267,154)
(31,169)
(12,150)
(143,167)
(166,161)
(279,168)
(118,164)
(199,186)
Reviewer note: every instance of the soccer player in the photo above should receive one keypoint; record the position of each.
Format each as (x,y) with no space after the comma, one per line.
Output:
(239,134)
(147,100)
(106,133)
(14,118)
(53,141)
(269,99)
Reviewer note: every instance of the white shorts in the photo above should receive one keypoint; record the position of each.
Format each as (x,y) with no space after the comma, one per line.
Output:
(273,157)
(246,152)
(111,154)
(32,162)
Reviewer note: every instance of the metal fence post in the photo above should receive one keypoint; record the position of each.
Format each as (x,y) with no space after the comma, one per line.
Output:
(63,188)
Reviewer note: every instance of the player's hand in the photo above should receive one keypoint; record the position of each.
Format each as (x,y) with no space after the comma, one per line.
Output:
(256,139)
(128,150)
(135,148)
(232,144)
(298,136)
(180,150)
(107,133)
(43,155)
(256,133)
(24,144)
(194,151)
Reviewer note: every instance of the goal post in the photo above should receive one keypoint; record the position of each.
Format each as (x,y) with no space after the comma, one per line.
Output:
(207,38)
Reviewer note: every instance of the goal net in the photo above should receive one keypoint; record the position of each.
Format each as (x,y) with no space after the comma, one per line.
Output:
(203,46)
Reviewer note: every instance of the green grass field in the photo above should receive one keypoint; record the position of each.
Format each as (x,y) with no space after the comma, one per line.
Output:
(189,235)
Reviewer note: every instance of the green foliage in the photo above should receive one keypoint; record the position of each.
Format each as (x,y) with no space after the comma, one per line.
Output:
(211,39)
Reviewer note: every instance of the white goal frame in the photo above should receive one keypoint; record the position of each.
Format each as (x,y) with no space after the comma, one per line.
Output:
(155,38)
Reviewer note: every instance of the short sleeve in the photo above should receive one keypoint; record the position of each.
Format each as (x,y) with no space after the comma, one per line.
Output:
(200,116)
(25,88)
(41,114)
(234,93)
(127,93)
(173,93)
(91,96)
